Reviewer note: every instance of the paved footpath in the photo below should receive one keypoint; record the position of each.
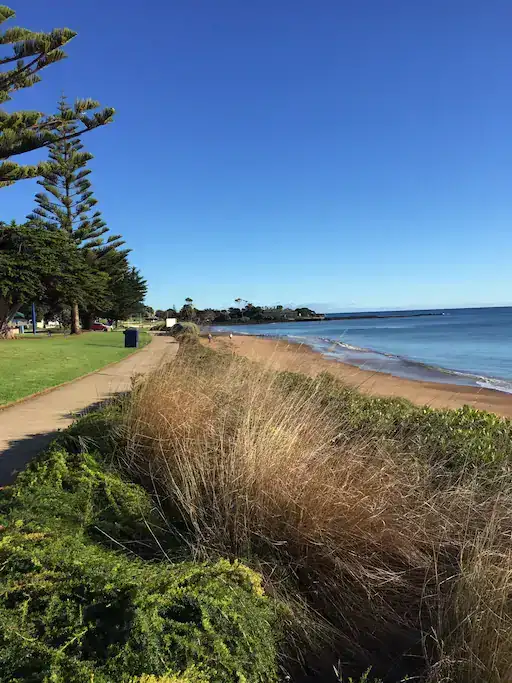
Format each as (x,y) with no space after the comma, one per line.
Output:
(26,428)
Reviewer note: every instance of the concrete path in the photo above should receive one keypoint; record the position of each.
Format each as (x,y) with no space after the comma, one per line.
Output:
(26,428)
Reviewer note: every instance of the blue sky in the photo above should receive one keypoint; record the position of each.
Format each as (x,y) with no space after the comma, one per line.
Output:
(348,153)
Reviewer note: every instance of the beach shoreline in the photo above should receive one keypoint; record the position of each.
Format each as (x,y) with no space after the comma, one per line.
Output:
(286,355)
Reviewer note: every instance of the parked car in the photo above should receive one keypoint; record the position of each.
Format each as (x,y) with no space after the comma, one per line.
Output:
(101,327)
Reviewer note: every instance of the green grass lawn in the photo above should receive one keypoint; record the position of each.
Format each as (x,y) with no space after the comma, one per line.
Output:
(30,364)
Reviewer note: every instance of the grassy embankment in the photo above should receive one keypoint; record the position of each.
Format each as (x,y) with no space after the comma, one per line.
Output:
(381,533)
(30,364)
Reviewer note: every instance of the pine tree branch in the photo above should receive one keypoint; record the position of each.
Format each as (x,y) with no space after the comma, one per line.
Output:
(16,72)
(22,132)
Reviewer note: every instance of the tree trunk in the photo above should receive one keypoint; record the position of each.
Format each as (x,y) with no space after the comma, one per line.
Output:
(7,312)
(87,320)
(5,330)
(75,319)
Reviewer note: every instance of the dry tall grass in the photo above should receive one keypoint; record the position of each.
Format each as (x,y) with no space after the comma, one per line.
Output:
(474,630)
(376,562)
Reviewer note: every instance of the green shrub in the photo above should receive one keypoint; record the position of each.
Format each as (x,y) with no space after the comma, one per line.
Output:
(191,675)
(75,493)
(97,430)
(69,610)
(74,609)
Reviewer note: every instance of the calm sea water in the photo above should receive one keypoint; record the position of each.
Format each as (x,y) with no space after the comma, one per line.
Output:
(471,346)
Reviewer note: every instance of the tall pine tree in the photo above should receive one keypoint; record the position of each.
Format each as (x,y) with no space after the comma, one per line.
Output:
(68,201)
(24,131)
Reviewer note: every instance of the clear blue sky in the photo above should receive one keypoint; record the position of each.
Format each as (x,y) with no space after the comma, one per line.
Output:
(350,153)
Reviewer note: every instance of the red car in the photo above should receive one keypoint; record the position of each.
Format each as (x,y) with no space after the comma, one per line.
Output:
(100,327)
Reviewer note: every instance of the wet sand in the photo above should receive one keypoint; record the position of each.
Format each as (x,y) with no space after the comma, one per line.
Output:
(283,355)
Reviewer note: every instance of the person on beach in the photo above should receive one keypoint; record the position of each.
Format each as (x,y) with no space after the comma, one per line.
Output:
(210,337)
(231,336)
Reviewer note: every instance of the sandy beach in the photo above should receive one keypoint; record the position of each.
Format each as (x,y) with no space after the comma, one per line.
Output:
(288,356)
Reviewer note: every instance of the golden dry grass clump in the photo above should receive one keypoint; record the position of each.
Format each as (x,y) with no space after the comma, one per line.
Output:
(380,558)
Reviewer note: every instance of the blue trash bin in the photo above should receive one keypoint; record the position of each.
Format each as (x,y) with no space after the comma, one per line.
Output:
(131,338)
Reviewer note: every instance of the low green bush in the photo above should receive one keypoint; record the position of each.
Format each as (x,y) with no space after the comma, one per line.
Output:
(70,610)
(192,675)
(97,430)
(74,493)
(77,602)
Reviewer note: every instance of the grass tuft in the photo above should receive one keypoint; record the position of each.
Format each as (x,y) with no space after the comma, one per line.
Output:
(376,551)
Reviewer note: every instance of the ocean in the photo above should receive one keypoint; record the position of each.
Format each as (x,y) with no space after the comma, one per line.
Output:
(469,346)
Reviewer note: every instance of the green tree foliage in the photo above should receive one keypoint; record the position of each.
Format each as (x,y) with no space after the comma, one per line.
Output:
(305,312)
(24,131)
(69,200)
(38,264)
(249,313)
(43,310)
(188,311)
(168,313)
(126,292)
(113,264)
(206,316)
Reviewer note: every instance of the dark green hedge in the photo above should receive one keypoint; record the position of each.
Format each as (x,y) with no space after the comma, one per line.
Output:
(75,609)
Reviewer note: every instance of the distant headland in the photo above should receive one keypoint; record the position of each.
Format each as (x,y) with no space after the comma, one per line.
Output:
(320,317)
(247,313)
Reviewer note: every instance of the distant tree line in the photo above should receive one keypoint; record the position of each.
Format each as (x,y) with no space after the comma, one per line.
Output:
(241,314)
(63,257)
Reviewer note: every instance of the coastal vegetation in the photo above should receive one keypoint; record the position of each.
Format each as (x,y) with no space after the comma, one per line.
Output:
(74,607)
(229,522)
(224,522)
